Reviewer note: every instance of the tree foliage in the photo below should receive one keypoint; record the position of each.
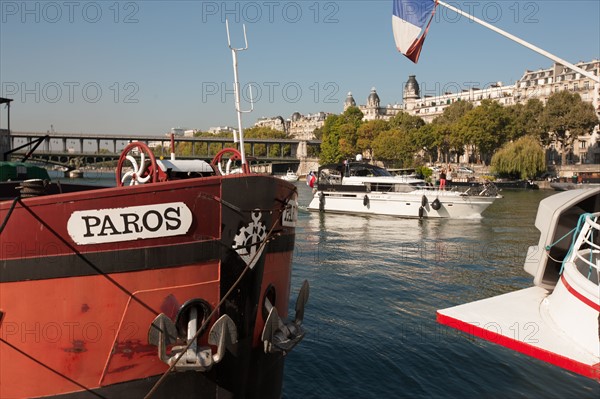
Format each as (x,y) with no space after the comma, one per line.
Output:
(447,129)
(396,147)
(525,119)
(524,158)
(484,128)
(340,135)
(566,116)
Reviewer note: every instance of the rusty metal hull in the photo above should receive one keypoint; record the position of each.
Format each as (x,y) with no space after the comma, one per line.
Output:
(83,275)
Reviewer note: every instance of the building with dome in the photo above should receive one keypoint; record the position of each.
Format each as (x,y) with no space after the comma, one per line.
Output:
(298,126)
(534,84)
(539,84)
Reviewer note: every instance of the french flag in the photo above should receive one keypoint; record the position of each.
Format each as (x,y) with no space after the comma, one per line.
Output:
(408,20)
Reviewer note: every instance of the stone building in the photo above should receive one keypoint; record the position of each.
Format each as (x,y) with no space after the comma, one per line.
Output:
(538,84)
(275,123)
(300,127)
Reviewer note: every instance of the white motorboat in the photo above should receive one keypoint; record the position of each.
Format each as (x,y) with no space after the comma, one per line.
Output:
(290,176)
(361,188)
(558,319)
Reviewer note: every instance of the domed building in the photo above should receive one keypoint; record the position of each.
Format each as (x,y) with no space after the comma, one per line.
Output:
(373,110)
(296,116)
(373,99)
(411,92)
(349,101)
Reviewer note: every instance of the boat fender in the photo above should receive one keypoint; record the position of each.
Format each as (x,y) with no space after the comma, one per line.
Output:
(423,201)
(321,202)
(421,212)
(436,204)
(366,201)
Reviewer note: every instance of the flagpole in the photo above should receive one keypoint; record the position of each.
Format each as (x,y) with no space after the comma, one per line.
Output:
(522,42)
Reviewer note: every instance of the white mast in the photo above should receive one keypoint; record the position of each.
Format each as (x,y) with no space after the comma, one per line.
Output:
(236,88)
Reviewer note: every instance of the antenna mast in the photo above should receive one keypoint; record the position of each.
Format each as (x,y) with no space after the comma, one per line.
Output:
(236,88)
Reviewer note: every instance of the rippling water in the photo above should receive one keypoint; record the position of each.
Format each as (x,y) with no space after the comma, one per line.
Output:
(376,283)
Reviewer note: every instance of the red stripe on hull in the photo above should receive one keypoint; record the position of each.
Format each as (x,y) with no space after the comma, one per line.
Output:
(590,371)
(76,313)
(578,295)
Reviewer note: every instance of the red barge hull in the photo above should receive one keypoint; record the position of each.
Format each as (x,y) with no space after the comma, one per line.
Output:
(83,275)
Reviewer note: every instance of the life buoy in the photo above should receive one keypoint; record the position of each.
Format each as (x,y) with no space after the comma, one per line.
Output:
(421,212)
(436,204)
(366,201)
(423,201)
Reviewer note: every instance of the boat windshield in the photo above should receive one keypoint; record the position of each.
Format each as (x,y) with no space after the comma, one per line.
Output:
(368,170)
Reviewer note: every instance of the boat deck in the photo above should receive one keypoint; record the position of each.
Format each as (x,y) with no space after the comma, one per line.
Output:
(520,321)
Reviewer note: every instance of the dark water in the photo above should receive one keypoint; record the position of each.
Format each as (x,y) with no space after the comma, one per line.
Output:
(376,284)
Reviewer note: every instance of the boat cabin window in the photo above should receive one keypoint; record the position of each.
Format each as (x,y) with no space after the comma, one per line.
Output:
(368,171)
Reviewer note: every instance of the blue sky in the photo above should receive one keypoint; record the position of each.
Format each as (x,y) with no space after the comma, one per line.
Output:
(142,67)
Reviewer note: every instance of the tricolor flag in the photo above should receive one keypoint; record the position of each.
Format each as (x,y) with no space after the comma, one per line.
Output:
(408,20)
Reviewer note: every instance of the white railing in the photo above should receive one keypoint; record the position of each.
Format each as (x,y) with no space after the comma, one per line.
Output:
(589,256)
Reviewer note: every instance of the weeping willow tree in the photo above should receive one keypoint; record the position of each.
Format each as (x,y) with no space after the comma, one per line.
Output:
(523,158)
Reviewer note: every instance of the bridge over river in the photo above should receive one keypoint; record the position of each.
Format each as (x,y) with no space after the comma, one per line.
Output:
(67,149)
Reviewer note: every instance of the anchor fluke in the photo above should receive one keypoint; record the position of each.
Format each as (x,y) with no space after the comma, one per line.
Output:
(223,335)
(301,301)
(282,336)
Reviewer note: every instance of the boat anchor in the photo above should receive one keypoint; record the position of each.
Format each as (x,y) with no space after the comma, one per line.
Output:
(163,333)
(282,336)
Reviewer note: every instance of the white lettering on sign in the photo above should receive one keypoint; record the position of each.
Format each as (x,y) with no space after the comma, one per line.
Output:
(99,226)
(290,214)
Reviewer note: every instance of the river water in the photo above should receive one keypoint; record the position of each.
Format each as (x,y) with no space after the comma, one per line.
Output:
(375,286)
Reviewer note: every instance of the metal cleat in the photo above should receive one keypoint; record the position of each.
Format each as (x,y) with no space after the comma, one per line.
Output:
(282,336)
(163,333)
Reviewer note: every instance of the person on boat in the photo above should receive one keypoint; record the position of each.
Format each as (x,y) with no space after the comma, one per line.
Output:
(443,179)
(310,179)
(449,176)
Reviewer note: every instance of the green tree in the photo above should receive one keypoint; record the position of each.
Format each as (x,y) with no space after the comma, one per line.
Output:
(367,132)
(340,136)
(525,119)
(260,132)
(565,117)
(484,128)
(429,139)
(447,129)
(406,122)
(396,147)
(524,158)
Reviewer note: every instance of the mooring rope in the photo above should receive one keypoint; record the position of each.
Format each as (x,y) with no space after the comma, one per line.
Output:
(270,235)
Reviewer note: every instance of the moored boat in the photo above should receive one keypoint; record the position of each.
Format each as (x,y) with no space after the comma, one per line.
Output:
(290,176)
(98,285)
(173,284)
(19,171)
(558,319)
(361,188)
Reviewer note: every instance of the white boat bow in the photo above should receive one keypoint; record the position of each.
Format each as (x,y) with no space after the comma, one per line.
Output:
(558,319)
